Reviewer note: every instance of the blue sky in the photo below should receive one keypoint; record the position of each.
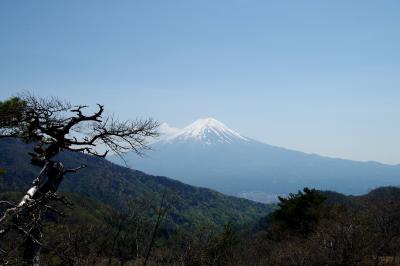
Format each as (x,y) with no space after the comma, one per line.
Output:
(317,76)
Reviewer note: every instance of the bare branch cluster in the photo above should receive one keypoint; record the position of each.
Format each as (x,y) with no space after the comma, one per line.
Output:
(62,126)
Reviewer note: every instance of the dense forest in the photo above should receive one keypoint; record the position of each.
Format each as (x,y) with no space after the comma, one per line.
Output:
(199,226)
(308,228)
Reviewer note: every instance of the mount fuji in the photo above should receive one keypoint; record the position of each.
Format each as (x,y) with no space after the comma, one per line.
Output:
(207,153)
(208,131)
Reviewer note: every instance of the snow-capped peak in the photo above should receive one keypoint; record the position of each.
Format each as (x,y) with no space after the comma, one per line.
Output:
(208,131)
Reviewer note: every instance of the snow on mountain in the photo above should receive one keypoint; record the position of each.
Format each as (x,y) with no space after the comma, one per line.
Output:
(208,131)
(166,130)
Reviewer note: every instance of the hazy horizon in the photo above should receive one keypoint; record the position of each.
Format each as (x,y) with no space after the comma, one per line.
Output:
(318,77)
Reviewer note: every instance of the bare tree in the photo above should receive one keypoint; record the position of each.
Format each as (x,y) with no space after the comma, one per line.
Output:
(161,212)
(385,216)
(58,126)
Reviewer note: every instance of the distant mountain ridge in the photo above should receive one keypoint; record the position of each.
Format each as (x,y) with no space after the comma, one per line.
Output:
(207,153)
(112,185)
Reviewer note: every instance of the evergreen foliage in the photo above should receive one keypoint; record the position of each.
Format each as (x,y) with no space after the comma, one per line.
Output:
(299,212)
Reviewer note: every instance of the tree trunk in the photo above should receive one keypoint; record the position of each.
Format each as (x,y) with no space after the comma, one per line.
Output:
(32,247)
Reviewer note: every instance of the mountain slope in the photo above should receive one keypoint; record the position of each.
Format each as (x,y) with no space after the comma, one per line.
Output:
(207,153)
(113,184)
(387,197)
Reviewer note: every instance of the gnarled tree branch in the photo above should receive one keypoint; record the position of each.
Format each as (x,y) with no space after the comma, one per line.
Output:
(58,126)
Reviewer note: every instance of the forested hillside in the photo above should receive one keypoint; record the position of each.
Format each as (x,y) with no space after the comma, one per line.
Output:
(114,185)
